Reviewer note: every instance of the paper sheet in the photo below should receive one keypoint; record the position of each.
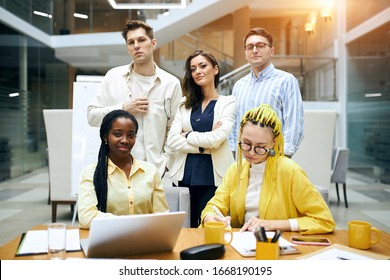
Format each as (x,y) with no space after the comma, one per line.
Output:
(342,252)
(337,254)
(35,242)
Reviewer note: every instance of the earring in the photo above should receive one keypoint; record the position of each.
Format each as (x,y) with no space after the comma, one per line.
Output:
(105,142)
(271,152)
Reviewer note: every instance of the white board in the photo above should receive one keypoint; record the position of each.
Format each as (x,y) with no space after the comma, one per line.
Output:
(86,140)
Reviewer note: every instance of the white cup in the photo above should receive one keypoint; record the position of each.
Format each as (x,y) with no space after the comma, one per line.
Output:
(56,237)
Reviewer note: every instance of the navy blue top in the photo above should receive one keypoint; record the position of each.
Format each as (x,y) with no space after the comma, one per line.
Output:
(198,170)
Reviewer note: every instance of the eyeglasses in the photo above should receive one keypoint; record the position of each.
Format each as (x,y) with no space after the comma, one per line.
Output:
(258,45)
(258,150)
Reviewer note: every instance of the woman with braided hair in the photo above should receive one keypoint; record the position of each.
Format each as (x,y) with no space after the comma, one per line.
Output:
(266,188)
(119,184)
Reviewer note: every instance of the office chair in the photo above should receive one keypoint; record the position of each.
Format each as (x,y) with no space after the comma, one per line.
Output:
(58,124)
(339,172)
(178,198)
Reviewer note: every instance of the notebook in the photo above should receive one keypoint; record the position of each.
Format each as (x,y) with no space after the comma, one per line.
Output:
(119,236)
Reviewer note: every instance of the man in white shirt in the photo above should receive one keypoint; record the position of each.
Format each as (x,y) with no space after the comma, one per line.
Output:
(151,94)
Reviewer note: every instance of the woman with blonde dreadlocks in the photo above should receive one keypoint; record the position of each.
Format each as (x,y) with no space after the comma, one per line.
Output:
(266,188)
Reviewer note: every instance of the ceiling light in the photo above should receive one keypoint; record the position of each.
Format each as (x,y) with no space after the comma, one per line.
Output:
(77,15)
(14,94)
(326,11)
(42,14)
(376,94)
(309,27)
(148,6)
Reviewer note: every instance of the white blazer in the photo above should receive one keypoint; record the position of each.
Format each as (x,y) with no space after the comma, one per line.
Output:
(216,141)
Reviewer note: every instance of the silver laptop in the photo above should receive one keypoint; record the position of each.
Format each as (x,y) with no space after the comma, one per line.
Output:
(119,236)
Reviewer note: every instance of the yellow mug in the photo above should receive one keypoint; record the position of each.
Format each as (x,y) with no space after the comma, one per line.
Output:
(359,235)
(214,232)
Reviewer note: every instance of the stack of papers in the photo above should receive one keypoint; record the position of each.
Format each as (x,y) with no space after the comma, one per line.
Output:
(35,242)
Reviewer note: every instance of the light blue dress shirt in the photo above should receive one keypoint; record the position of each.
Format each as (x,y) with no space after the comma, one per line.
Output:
(279,89)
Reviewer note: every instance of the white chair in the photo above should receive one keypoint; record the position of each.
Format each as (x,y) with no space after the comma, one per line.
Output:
(314,154)
(178,199)
(58,125)
(339,172)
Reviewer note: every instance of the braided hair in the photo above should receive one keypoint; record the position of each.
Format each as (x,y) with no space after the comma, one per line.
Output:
(101,171)
(191,90)
(264,116)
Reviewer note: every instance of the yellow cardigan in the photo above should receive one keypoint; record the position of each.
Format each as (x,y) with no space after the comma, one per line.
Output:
(291,196)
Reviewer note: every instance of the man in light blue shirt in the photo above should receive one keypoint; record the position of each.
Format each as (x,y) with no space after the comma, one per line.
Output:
(266,84)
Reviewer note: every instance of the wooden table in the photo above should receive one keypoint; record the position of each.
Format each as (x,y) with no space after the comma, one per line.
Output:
(190,237)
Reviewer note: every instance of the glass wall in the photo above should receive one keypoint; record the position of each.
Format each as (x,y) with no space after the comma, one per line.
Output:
(369,104)
(31,79)
(57,17)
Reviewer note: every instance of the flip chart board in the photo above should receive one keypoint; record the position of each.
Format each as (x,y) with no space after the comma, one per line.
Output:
(86,140)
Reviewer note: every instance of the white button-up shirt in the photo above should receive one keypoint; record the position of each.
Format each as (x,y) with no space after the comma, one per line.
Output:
(164,97)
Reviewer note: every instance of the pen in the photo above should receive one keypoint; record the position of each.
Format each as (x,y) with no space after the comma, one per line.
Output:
(260,236)
(257,235)
(263,234)
(219,214)
(341,258)
(276,236)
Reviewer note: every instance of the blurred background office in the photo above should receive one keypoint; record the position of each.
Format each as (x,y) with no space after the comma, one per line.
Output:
(338,50)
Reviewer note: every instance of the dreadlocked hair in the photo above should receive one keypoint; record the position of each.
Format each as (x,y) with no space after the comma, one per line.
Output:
(264,116)
(101,171)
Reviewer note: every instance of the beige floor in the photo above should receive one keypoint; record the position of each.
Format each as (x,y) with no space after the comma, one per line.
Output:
(23,204)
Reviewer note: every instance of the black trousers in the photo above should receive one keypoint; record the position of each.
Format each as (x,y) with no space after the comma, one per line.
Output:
(199,196)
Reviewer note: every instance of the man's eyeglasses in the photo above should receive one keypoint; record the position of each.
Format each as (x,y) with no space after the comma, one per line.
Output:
(258,150)
(258,45)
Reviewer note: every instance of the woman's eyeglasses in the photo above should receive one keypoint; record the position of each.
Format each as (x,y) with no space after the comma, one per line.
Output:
(258,150)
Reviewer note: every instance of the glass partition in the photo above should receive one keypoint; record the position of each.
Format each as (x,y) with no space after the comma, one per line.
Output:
(369,104)
(32,79)
(61,17)
(316,76)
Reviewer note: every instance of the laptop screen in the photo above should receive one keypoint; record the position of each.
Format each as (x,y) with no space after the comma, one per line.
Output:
(117,236)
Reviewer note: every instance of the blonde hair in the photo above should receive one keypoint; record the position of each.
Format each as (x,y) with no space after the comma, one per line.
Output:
(263,116)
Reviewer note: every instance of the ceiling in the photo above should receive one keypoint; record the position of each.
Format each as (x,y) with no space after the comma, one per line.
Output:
(281,8)
(107,50)
(103,50)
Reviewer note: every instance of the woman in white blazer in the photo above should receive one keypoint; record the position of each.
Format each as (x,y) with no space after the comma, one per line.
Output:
(197,141)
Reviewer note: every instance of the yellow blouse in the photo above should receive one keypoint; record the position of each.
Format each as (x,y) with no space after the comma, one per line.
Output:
(291,196)
(140,193)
